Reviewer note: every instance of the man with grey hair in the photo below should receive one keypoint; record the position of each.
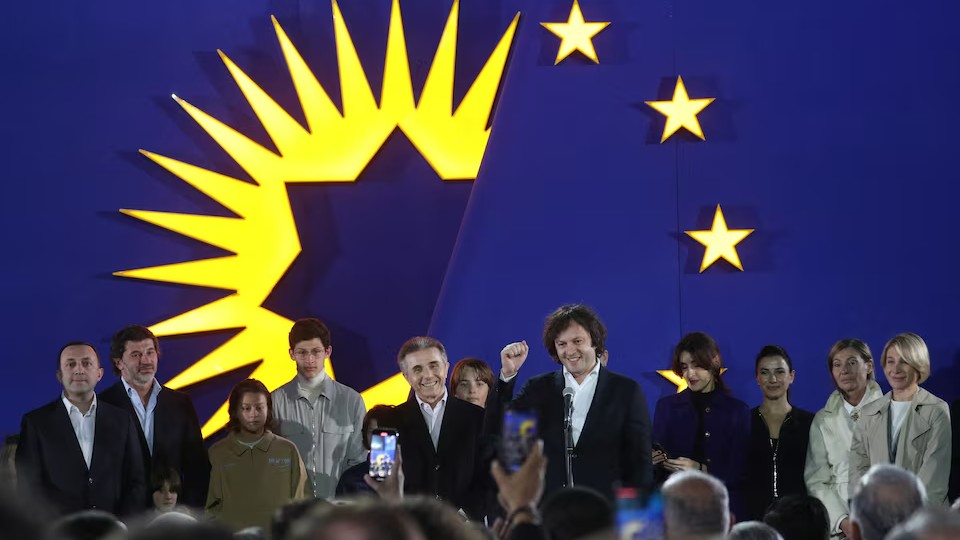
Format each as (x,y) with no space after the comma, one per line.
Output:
(696,506)
(753,530)
(440,435)
(885,497)
(929,524)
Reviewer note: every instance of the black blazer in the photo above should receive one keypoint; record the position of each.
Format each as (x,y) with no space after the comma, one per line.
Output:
(177,442)
(457,470)
(50,462)
(614,443)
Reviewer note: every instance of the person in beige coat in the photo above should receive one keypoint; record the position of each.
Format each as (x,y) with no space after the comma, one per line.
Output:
(826,472)
(908,426)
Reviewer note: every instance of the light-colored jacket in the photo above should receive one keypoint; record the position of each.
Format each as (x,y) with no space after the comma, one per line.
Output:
(328,432)
(828,454)
(923,447)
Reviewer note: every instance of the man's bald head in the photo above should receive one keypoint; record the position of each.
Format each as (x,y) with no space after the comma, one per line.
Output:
(695,505)
(929,524)
(886,496)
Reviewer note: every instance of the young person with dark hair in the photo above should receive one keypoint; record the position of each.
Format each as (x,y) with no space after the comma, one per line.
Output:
(320,415)
(703,427)
(779,433)
(254,471)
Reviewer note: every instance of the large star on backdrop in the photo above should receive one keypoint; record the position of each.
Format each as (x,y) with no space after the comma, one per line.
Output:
(720,241)
(679,381)
(576,34)
(681,112)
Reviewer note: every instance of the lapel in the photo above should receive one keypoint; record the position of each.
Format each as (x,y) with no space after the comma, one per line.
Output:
(63,430)
(595,415)
(123,401)
(105,433)
(447,425)
(919,422)
(418,427)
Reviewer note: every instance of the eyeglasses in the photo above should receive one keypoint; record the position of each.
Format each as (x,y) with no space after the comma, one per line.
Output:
(301,354)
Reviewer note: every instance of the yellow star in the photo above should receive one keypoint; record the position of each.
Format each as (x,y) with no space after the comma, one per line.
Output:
(681,112)
(720,242)
(576,34)
(681,383)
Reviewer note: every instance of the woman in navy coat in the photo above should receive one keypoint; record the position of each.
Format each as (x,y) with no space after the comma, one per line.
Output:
(702,427)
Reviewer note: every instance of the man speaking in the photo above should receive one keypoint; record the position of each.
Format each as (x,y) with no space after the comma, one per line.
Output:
(606,413)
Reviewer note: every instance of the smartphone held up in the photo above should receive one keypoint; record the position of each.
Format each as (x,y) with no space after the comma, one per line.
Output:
(383,453)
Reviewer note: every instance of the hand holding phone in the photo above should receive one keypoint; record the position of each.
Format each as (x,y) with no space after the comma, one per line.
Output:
(518,437)
(383,453)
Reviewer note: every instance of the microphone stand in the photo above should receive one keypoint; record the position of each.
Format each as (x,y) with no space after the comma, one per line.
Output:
(568,439)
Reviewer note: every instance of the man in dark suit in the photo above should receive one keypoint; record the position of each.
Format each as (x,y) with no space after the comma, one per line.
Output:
(79,453)
(166,422)
(610,420)
(440,435)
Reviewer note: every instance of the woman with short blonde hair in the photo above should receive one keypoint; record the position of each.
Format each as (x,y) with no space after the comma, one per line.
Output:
(908,426)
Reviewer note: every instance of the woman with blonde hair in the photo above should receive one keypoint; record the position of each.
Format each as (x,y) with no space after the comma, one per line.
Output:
(826,471)
(908,426)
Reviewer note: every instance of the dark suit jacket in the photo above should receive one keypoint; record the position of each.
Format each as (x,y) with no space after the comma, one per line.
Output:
(456,471)
(177,441)
(726,424)
(954,489)
(614,442)
(50,462)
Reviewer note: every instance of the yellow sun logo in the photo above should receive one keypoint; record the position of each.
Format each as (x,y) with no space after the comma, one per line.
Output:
(332,147)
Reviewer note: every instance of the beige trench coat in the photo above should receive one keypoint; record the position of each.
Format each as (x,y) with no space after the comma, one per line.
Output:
(828,454)
(923,447)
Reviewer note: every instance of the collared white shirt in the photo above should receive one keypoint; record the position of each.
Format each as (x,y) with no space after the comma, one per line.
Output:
(582,397)
(433,416)
(84,426)
(144,414)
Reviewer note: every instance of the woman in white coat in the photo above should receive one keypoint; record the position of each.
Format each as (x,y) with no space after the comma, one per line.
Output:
(908,426)
(826,472)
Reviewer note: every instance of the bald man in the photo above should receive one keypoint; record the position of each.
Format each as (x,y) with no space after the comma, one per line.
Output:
(696,506)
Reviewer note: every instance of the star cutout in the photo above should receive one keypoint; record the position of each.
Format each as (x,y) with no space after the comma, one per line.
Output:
(681,112)
(576,34)
(720,242)
(669,375)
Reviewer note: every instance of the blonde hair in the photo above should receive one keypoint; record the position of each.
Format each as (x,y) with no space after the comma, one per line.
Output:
(914,352)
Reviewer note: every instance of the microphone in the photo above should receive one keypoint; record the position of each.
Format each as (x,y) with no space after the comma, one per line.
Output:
(568,406)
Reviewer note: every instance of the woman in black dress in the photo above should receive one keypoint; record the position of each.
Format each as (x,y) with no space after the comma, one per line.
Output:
(777,449)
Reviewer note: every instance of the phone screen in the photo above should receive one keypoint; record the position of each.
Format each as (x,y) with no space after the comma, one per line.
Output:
(383,452)
(519,436)
(638,518)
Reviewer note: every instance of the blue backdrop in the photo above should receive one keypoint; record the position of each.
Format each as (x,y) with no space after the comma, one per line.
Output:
(832,135)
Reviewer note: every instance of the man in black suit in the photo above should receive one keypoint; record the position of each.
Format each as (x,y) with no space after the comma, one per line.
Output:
(79,453)
(166,422)
(440,435)
(610,420)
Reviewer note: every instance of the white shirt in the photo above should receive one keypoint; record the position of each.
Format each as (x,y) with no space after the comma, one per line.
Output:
(144,414)
(433,416)
(898,413)
(84,426)
(582,397)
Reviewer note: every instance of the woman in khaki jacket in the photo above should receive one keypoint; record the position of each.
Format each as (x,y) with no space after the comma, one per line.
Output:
(828,457)
(908,426)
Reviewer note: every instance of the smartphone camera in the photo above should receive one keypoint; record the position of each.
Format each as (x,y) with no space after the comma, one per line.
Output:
(638,517)
(518,437)
(383,453)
